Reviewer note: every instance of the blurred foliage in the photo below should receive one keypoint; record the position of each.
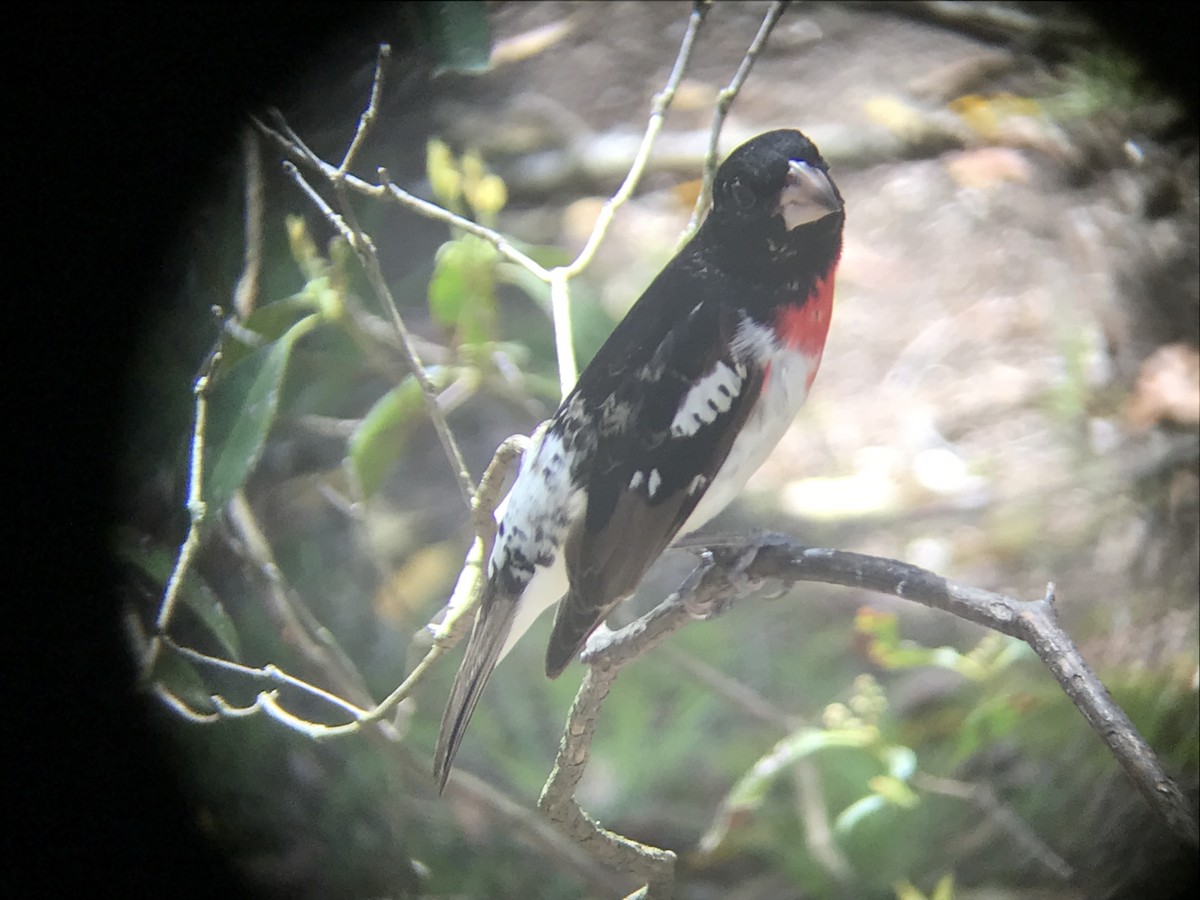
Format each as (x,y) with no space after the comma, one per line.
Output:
(721,790)
(1099,80)
(944,890)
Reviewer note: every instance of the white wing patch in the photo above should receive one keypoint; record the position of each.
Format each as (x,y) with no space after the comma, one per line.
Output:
(708,398)
(789,375)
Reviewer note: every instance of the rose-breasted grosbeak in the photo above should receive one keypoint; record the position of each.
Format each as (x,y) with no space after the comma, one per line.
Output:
(684,401)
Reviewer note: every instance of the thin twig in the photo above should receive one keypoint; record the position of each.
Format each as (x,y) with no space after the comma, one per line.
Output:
(304,632)
(269,673)
(283,132)
(810,797)
(342,181)
(1001,815)
(386,190)
(814,816)
(658,111)
(347,225)
(724,102)
(245,292)
(176,705)
(318,646)
(564,332)
(467,590)
(367,120)
(197,511)
(559,298)
(737,694)
(389,190)
(364,248)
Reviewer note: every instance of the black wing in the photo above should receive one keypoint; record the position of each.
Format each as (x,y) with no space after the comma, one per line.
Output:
(664,428)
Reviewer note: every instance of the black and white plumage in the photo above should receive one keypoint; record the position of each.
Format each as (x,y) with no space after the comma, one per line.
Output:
(684,401)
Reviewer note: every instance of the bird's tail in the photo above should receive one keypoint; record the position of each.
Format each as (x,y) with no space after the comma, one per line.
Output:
(483,652)
(574,621)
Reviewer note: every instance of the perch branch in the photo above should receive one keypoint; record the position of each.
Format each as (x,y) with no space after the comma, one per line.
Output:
(653,866)
(710,588)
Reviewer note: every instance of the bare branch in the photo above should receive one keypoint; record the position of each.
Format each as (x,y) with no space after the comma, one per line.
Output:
(181,709)
(724,102)
(738,695)
(245,292)
(287,141)
(314,642)
(364,248)
(658,112)
(467,590)
(197,510)
(654,866)
(564,342)
(1001,816)
(559,297)
(814,814)
(318,647)
(367,120)
(710,588)
(429,210)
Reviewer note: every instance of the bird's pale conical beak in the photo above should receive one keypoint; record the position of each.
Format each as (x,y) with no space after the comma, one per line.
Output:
(809,195)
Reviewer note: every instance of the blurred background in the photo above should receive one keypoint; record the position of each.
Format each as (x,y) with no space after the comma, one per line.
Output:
(1010,396)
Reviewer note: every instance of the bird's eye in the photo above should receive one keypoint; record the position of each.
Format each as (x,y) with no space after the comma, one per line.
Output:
(743,197)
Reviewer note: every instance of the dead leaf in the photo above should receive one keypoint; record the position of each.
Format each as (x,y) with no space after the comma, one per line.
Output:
(1167,388)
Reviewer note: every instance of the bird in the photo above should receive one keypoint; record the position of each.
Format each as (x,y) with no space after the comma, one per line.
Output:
(680,406)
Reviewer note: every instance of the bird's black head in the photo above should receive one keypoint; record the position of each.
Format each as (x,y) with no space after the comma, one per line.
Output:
(773,200)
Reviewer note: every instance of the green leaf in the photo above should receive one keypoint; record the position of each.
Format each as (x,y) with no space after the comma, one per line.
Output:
(448,286)
(459,34)
(242,408)
(462,291)
(264,325)
(379,439)
(157,564)
(989,720)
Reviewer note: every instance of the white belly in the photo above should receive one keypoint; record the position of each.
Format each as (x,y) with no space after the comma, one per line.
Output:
(790,375)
